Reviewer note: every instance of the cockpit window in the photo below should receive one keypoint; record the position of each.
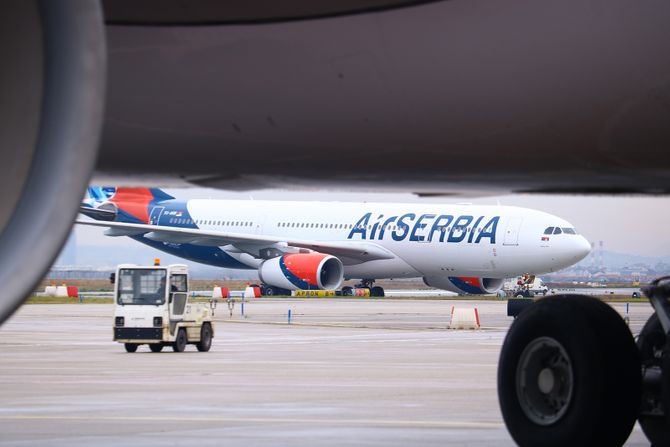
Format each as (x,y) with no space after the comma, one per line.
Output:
(549,230)
(569,231)
(557,230)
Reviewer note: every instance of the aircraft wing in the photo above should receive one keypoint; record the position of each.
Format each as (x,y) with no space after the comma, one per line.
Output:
(256,245)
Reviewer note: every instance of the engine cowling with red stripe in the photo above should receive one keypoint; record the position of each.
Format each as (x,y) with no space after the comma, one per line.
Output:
(463,284)
(302,271)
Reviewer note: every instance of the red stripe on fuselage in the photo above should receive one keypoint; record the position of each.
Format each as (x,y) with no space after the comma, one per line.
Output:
(134,201)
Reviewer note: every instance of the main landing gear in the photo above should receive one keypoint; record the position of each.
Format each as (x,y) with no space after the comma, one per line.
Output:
(375,291)
(570,373)
(274,291)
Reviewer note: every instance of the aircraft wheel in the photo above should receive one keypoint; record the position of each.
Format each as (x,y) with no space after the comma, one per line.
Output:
(654,415)
(180,343)
(569,374)
(156,347)
(130,347)
(347,291)
(270,291)
(205,338)
(377,291)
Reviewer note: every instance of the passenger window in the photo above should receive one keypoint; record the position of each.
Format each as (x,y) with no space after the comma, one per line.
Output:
(557,230)
(549,230)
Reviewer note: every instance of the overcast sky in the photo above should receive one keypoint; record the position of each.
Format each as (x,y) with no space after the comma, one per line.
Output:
(635,225)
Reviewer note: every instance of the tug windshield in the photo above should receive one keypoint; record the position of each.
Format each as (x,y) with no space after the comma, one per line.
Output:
(141,286)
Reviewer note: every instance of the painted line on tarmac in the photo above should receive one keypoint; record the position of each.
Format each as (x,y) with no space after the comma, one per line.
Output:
(363,422)
(362,325)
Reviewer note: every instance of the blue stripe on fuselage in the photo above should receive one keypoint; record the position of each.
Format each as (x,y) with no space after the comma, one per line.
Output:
(175,214)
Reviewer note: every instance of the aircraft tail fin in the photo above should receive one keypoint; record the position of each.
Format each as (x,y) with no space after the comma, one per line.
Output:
(96,195)
(122,203)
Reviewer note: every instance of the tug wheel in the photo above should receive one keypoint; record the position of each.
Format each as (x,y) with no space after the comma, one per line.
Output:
(180,343)
(205,338)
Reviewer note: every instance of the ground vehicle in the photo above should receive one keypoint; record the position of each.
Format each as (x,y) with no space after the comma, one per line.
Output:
(570,372)
(522,292)
(147,312)
(526,286)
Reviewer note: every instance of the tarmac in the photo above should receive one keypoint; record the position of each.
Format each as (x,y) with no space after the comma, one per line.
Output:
(343,372)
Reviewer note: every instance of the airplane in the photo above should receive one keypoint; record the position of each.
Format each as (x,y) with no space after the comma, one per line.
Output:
(316,245)
(430,97)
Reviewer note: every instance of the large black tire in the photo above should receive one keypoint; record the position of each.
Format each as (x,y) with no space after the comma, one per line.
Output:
(205,338)
(180,343)
(130,347)
(156,347)
(377,291)
(270,291)
(517,305)
(569,374)
(654,415)
(347,291)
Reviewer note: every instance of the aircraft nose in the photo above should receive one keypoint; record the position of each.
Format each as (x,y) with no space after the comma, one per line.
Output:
(582,248)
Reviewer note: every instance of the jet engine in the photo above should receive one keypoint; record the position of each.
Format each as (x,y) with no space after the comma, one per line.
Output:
(302,271)
(52,86)
(460,284)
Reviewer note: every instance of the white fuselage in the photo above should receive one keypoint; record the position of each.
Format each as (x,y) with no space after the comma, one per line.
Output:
(427,240)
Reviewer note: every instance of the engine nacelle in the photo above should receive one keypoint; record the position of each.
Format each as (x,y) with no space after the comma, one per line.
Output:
(52,89)
(471,286)
(303,271)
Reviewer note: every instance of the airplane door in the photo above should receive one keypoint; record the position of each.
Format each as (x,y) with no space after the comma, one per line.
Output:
(512,231)
(156,215)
